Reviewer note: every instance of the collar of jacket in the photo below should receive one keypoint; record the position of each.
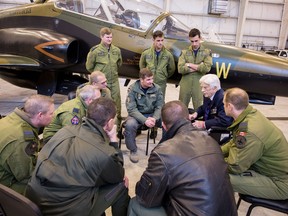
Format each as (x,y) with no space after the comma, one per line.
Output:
(92,125)
(23,115)
(175,128)
(82,102)
(201,48)
(241,117)
(110,47)
(138,88)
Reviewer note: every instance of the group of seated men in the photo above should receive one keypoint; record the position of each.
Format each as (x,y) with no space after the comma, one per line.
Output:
(79,169)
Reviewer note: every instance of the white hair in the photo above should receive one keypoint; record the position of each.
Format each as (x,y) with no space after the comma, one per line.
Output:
(212,80)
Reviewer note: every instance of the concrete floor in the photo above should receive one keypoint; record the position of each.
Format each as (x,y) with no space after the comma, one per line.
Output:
(12,96)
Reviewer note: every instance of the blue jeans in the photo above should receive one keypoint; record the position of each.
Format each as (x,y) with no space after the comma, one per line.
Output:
(131,127)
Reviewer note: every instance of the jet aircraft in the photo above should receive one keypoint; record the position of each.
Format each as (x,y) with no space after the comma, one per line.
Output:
(44,46)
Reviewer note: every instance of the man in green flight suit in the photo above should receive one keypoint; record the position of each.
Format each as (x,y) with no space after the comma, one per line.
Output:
(71,112)
(19,142)
(194,62)
(80,170)
(159,60)
(257,155)
(97,79)
(107,58)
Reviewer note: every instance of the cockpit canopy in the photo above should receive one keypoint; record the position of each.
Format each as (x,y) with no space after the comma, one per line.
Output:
(139,15)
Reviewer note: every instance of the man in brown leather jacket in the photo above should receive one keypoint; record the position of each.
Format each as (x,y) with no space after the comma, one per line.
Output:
(186,173)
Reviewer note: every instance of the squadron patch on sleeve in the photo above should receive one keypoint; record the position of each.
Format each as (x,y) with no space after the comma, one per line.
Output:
(240,140)
(75,120)
(31,148)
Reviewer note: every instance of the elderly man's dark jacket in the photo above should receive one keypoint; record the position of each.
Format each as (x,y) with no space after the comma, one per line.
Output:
(216,113)
(187,175)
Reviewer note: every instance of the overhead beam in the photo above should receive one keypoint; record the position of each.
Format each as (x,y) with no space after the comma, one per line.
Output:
(241,22)
(284,27)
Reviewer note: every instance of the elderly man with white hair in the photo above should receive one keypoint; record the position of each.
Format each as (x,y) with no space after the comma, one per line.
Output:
(212,111)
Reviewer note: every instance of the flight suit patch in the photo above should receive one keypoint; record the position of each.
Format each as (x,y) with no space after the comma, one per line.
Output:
(153,96)
(28,135)
(75,120)
(101,54)
(240,141)
(75,110)
(165,57)
(189,53)
(148,57)
(139,96)
(31,148)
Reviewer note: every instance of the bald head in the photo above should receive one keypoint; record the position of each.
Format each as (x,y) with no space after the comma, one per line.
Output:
(172,112)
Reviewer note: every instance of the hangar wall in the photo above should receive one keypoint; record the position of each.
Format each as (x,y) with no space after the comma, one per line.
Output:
(255,24)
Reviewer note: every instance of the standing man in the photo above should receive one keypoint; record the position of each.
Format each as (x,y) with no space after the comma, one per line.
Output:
(257,156)
(159,60)
(19,142)
(212,110)
(144,102)
(71,112)
(186,172)
(193,63)
(107,58)
(80,171)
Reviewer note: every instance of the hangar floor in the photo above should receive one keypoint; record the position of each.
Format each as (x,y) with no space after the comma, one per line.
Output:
(12,96)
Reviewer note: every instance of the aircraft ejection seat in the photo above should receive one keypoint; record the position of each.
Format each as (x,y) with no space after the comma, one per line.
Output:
(130,18)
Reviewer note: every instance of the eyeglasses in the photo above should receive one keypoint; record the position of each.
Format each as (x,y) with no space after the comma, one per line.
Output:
(103,82)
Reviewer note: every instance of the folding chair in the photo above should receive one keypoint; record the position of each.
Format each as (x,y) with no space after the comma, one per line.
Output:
(142,128)
(276,205)
(15,204)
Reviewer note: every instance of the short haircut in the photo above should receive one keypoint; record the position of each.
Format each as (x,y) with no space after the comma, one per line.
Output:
(212,80)
(173,111)
(88,92)
(145,72)
(101,110)
(94,77)
(104,31)
(36,104)
(194,32)
(157,33)
(238,97)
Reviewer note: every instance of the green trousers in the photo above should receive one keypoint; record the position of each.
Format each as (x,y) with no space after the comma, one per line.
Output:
(190,87)
(255,184)
(116,97)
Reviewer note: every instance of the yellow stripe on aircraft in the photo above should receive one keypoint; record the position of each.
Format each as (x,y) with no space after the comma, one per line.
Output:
(223,68)
(40,47)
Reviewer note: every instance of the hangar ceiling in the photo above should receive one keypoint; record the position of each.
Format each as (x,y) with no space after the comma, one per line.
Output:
(257,24)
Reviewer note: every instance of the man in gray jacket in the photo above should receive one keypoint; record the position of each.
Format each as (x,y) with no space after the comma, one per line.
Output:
(80,170)
(144,102)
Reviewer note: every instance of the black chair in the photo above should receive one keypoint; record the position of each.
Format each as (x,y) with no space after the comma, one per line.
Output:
(220,134)
(15,204)
(142,128)
(276,205)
